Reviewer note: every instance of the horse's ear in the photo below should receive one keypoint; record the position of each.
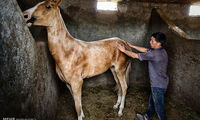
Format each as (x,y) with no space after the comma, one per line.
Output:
(57,2)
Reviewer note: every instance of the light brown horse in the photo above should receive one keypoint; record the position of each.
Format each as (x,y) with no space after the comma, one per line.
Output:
(76,59)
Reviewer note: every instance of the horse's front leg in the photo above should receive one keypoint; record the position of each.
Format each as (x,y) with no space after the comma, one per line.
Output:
(76,87)
(70,89)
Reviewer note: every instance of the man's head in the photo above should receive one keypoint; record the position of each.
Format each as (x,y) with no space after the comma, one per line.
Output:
(157,40)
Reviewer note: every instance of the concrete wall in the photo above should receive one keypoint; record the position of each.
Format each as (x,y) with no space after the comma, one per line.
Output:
(28,87)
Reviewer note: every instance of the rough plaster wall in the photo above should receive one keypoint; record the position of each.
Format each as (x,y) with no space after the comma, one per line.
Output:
(179,14)
(184,65)
(28,87)
(184,69)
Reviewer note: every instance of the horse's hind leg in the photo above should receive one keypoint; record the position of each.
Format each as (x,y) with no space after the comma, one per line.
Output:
(119,93)
(122,81)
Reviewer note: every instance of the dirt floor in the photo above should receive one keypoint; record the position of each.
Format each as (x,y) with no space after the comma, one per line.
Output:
(98,105)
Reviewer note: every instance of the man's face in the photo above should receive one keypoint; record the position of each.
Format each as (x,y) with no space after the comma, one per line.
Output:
(154,44)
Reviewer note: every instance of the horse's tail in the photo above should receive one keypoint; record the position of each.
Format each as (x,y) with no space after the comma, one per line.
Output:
(128,69)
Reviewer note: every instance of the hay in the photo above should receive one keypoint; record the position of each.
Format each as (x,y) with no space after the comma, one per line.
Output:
(98,103)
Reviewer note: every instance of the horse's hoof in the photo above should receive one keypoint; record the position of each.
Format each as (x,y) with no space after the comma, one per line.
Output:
(115,106)
(83,115)
(80,118)
(120,114)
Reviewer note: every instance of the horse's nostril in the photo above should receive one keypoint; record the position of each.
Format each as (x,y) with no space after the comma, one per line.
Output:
(25,16)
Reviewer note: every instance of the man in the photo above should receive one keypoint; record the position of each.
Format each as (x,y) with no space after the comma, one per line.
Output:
(157,63)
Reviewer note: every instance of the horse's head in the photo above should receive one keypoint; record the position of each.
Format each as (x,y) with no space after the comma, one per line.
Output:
(42,14)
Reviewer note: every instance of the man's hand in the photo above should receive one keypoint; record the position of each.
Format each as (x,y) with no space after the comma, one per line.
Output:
(129,44)
(120,47)
(127,52)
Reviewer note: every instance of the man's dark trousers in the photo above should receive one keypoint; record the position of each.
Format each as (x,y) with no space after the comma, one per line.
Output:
(156,103)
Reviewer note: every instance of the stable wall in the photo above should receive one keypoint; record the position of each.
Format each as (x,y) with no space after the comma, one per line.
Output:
(28,84)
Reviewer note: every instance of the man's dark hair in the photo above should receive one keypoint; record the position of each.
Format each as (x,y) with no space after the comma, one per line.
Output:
(160,37)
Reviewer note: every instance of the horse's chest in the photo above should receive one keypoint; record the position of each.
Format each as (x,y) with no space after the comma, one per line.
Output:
(71,64)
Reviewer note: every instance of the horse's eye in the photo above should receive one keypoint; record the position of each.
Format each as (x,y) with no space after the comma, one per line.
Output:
(48,6)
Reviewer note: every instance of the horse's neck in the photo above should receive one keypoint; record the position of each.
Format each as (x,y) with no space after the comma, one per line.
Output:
(57,31)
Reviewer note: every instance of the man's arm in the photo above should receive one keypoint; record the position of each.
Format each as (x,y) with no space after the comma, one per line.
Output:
(140,49)
(129,53)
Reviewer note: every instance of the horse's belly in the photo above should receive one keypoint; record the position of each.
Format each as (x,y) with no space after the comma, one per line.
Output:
(96,70)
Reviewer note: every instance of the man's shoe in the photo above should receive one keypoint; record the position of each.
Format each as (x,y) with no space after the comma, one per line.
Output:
(140,117)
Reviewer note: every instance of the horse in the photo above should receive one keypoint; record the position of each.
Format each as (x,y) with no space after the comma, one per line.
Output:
(77,59)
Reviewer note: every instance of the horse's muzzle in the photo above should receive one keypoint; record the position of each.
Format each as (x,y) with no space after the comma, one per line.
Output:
(30,20)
